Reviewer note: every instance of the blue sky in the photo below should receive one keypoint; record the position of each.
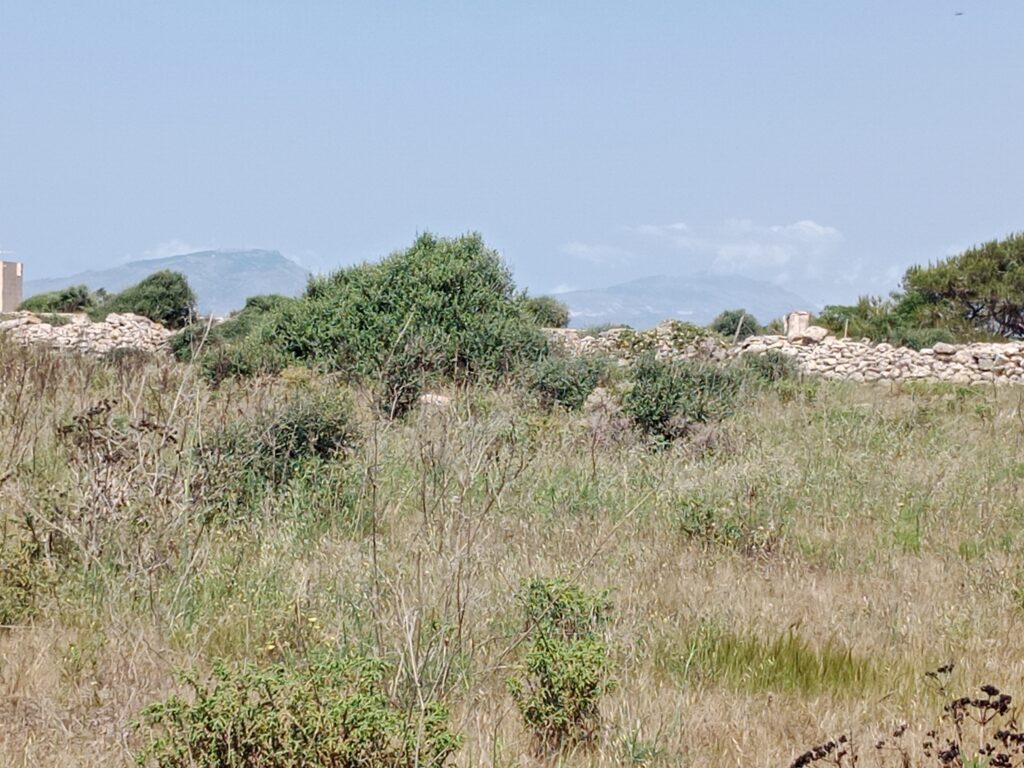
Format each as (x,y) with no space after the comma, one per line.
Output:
(821,144)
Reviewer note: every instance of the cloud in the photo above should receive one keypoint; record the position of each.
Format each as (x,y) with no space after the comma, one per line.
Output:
(563,288)
(173,248)
(599,254)
(663,230)
(741,246)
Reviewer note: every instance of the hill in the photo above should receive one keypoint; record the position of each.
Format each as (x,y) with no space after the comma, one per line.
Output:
(645,302)
(222,279)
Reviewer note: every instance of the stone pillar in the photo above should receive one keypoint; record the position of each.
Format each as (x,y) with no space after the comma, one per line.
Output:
(796,324)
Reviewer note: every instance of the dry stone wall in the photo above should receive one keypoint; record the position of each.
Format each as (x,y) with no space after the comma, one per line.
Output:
(815,351)
(79,334)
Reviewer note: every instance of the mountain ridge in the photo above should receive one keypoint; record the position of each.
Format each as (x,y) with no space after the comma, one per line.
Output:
(222,278)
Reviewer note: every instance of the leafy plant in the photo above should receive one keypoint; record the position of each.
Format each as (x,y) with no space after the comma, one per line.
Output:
(567,379)
(736,324)
(244,460)
(75,298)
(331,712)
(566,669)
(212,338)
(547,311)
(983,286)
(22,577)
(453,297)
(668,397)
(770,367)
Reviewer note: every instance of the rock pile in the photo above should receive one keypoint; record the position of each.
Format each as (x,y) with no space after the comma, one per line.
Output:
(78,334)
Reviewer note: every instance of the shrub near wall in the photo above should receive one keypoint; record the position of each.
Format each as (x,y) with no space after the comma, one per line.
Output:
(164,297)
(443,309)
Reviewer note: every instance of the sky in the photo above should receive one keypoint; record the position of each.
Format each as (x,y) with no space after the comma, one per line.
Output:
(824,145)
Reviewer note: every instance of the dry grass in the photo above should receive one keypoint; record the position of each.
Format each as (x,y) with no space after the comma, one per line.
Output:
(795,586)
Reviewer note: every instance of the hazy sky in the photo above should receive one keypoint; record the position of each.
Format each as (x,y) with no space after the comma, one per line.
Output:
(823,144)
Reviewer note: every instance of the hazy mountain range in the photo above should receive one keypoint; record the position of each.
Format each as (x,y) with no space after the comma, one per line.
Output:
(222,279)
(645,302)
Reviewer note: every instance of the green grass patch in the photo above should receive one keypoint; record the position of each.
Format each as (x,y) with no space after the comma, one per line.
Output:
(711,654)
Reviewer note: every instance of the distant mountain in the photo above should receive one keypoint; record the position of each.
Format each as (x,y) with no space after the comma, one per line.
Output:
(645,302)
(222,279)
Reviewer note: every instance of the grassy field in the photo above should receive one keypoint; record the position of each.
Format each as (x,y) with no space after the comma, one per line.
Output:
(793,583)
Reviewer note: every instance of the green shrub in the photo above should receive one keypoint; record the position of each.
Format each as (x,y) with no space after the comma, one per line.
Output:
(770,367)
(75,298)
(211,338)
(246,459)
(736,324)
(22,577)
(566,669)
(404,375)
(246,358)
(452,300)
(332,712)
(907,319)
(567,380)
(164,297)
(547,311)
(668,397)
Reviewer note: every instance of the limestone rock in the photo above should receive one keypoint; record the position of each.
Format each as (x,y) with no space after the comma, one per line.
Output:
(796,323)
(813,334)
(434,400)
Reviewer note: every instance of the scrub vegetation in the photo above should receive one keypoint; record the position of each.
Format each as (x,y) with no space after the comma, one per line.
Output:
(561,562)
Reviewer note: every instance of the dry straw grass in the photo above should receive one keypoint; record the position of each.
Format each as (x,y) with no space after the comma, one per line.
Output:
(792,587)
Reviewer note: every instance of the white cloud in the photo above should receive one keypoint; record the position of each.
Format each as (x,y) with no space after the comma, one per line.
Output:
(741,246)
(173,248)
(599,254)
(563,288)
(671,230)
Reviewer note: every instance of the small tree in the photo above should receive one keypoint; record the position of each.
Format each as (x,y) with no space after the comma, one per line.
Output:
(983,285)
(547,311)
(736,324)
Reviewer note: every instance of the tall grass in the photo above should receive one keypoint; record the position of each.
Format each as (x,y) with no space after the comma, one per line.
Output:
(795,581)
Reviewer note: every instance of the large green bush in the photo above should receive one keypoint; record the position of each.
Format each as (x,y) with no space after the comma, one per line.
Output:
(667,398)
(164,297)
(566,669)
(75,298)
(332,712)
(451,300)
(547,311)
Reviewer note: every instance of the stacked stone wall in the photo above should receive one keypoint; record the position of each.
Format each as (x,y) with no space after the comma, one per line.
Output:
(77,333)
(815,351)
